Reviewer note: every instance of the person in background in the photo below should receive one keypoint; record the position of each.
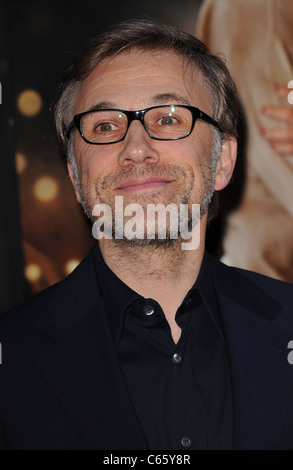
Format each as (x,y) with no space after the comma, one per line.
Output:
(256,37)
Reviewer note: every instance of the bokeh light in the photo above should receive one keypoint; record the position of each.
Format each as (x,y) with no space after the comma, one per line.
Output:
(20,163)
(33,272)
(46,188)
(29,103)
(71,265)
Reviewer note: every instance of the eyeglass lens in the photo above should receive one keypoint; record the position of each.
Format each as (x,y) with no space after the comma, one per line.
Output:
(105,126)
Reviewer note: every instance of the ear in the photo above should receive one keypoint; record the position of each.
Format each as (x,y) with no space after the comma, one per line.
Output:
(73,181)
(226,163)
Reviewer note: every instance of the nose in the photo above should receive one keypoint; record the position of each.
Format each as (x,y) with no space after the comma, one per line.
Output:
(137,147)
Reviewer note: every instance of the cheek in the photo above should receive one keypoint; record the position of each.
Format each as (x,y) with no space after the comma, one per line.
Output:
(191,153)
(92,161)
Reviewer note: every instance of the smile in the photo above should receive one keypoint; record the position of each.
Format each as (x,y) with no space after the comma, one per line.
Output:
(142,184)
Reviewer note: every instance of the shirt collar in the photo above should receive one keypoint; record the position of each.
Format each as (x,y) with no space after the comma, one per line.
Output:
(118,297)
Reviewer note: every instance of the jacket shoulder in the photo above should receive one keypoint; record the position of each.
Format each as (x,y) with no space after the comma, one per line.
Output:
(274,287)
(56,299)
(29,310)
(279,290)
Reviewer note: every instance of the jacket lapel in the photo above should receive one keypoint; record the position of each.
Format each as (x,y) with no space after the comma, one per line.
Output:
(82,369)
(81,366)
(261,375)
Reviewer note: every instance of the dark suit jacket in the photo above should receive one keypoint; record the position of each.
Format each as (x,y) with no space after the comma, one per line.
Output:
(61,385)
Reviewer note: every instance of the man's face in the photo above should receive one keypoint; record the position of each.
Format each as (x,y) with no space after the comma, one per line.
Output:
(141,169)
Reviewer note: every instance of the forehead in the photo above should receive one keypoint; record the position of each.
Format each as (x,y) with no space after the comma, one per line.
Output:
(134,79)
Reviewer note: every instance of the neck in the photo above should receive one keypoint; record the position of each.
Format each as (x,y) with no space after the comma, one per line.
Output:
(163,272)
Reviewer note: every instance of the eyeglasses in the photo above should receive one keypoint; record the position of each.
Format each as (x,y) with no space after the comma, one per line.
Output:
(109,126)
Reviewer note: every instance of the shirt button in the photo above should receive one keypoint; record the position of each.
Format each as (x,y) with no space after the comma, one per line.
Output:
(186,441)
(148,310)
(177,358)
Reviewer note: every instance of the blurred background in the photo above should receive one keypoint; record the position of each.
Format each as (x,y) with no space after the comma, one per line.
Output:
(43,232)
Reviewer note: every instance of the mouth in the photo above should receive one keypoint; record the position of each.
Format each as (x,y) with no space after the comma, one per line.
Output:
(143,184)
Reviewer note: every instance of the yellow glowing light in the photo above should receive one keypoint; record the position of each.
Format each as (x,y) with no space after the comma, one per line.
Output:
(32,272)
(71,265)
(29,103)
(46,189)
(20,162)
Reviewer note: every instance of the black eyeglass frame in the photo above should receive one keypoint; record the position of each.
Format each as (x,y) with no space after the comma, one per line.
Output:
(139,116)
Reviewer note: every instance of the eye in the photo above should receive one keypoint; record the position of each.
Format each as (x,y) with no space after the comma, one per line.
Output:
(167,120)
(105,127)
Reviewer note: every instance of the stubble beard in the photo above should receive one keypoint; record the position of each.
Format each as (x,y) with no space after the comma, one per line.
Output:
(188,191)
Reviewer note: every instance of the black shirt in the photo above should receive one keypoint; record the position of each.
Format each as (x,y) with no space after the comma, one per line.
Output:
(181,392)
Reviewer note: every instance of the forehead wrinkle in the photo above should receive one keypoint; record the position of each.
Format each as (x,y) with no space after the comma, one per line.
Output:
(159,98)
(191,79)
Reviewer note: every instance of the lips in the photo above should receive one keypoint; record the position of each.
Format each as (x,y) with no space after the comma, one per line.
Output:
(139,184)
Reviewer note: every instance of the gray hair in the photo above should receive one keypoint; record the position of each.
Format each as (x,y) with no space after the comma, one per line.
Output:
(147,35)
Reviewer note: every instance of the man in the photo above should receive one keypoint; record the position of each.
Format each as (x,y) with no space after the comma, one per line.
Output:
(147,345)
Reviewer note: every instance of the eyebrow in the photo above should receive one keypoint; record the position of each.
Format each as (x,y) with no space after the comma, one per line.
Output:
(102,105)
(159,98)
(169,98)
